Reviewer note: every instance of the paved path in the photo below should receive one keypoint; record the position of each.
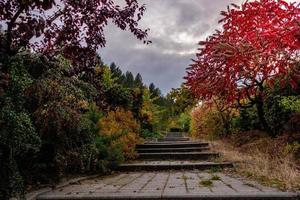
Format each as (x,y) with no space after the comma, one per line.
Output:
(168,184)
(169,179)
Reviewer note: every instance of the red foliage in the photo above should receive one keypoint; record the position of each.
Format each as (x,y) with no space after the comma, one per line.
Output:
(260,41)
(52,24)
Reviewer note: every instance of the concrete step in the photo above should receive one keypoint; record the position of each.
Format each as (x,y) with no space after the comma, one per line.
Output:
(174,139)
(174,134)
(172,145)
(161,150)
(178,156)
(172,165)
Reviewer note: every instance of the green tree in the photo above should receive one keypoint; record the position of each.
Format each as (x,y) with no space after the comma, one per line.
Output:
(138,81)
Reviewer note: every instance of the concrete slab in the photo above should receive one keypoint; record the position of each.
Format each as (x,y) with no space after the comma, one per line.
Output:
(178,156)
(172,144)
(172,165)
(159,150)
(166,185)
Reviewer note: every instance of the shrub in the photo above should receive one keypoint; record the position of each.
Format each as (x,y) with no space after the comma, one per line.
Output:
(247,120)
(19,140)
(108,156)
(276,115)
(123,130)
(173,124)
(291,103)
(19,143)
(150,134)
(184,120)
(206,122)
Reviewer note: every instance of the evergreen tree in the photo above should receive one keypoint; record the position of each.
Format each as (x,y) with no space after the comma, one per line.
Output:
(129,80)
(116,73)
(138,81)
(151,87)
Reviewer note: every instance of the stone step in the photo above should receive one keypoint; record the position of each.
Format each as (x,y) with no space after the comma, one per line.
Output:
(174,134)
(161,150)
(173,139)
(172,165)
(178,156)
(172,145)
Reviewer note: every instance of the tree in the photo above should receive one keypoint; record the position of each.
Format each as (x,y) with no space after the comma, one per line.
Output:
(259,43)
(152,88)
(182,99)
(117,73)
(138,80)
(155,92)
(48,26)
(129,80)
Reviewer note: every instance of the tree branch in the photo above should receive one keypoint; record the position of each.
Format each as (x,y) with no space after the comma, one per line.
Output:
(10,26)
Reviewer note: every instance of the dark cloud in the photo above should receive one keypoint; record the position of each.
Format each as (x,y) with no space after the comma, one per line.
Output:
(176,26)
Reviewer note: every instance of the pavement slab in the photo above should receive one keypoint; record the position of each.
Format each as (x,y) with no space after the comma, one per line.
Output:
(172,165)
(189,177)
(184,184)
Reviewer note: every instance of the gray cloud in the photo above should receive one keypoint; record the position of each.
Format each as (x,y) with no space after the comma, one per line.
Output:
(176,26)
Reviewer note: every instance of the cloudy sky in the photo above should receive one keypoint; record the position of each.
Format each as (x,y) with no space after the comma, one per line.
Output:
(176,26)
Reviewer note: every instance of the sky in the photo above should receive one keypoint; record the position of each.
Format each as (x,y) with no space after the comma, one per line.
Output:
(176,27)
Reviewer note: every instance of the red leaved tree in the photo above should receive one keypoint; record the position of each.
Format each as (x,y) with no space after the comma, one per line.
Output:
(74,25)
(259,43)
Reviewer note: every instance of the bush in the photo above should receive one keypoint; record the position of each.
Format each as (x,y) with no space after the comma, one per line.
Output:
(206,122)
(19,140)
(185,120)
(291,104)
(276,115)
(150,134)
(108,156)
(19,144)
(246,120)
(123,130)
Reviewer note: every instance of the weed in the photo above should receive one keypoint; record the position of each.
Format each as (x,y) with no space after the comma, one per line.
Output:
(215,170)
(257,164)
(206,183)
(215,178)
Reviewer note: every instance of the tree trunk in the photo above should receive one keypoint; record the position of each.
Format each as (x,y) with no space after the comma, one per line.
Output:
(261,115)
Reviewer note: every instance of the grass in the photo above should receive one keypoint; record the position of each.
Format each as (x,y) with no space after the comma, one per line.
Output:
(275,171)
(215,170)
(209,182)
(215,178)
(206,183)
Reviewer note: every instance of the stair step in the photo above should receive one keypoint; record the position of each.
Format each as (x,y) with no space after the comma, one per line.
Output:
(174,134)
(161,150)
(172,145)
(172,166)
(173,139)
(178,156)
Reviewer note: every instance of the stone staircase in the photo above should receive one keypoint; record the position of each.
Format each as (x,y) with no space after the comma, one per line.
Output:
(163,154)
(174,167)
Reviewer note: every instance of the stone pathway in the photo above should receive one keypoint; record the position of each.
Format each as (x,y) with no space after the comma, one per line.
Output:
(172,168)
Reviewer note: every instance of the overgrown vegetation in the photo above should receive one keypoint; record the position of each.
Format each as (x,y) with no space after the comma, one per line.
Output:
(54,122)
(250,95)
(63,111)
